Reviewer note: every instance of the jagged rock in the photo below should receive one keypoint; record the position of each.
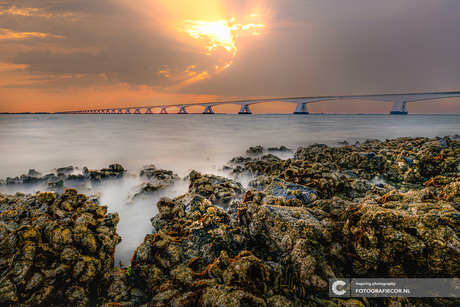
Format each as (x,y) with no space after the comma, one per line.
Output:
(270,157)
(54,248)
(281,148)
(33,172)
(159,176)
(219,190)
(114,171)
(144,190)
(240,160)
(255,150)
(67,169)
(56,186)
(158,180)
(280,188)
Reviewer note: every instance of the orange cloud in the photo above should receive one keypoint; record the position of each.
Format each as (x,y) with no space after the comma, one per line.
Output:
(6,34)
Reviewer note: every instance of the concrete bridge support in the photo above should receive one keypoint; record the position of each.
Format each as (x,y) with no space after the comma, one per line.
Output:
(120,111)
(245,109)
(127,111)
(208,110)
(182,111)
(399,108)
(137,111)
(163,111)
(301,108)
(148,111)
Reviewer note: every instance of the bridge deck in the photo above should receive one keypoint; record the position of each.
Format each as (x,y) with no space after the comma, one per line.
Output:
(399,103)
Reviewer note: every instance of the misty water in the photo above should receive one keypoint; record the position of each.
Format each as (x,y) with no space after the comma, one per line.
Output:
(179,143)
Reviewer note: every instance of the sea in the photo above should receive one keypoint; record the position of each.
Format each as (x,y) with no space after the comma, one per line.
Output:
(181,143)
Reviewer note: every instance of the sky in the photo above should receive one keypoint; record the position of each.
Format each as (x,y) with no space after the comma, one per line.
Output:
(64,55)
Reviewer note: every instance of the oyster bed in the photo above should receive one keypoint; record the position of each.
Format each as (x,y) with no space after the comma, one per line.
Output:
(379,209)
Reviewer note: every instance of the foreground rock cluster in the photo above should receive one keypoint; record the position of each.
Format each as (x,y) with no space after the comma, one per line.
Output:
(55,250)
(378,210)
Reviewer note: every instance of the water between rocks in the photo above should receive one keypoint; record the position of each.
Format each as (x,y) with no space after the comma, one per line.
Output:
(179,143)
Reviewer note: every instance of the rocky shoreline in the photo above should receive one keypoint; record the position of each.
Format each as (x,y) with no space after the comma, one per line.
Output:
(380,209)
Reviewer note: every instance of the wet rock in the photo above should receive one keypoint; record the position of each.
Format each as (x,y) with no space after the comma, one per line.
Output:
(144,190)
(33,172)
(281,148)
(257,150)
(288,191)
(11,181)
(56,186)
(30,179)
(404,237)
(219,190)
(53,250)
(95,198)
(270,158)
(78,177)
(67,169)
(160,176)
(114,171)
(240,160)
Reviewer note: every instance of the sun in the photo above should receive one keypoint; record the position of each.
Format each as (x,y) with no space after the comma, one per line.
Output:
(219,33)
(213,34)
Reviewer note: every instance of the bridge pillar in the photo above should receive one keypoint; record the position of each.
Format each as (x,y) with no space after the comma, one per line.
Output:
(137,111)
(301,108)
(163,111)
(182,111)
(149,111)
(245,109)
(399,108)
(208,110)
(127,111)
(113,111)
(120,111)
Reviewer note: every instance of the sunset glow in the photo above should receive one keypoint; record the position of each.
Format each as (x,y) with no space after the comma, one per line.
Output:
(219,33)
(6,34)
(60,55)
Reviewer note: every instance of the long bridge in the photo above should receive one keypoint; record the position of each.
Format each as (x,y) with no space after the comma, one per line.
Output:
(399,103)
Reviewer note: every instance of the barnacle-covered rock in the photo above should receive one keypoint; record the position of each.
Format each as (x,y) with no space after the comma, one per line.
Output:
(404,237)
(156,175)
(219,190)
(158,180)
(280,188)
(114,171)
(281,148)
(55,249)
(257,150)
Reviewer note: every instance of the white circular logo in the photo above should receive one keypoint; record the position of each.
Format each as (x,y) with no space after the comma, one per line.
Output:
(336,284)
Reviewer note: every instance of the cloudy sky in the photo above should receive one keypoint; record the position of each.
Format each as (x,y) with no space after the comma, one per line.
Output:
(63,55)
